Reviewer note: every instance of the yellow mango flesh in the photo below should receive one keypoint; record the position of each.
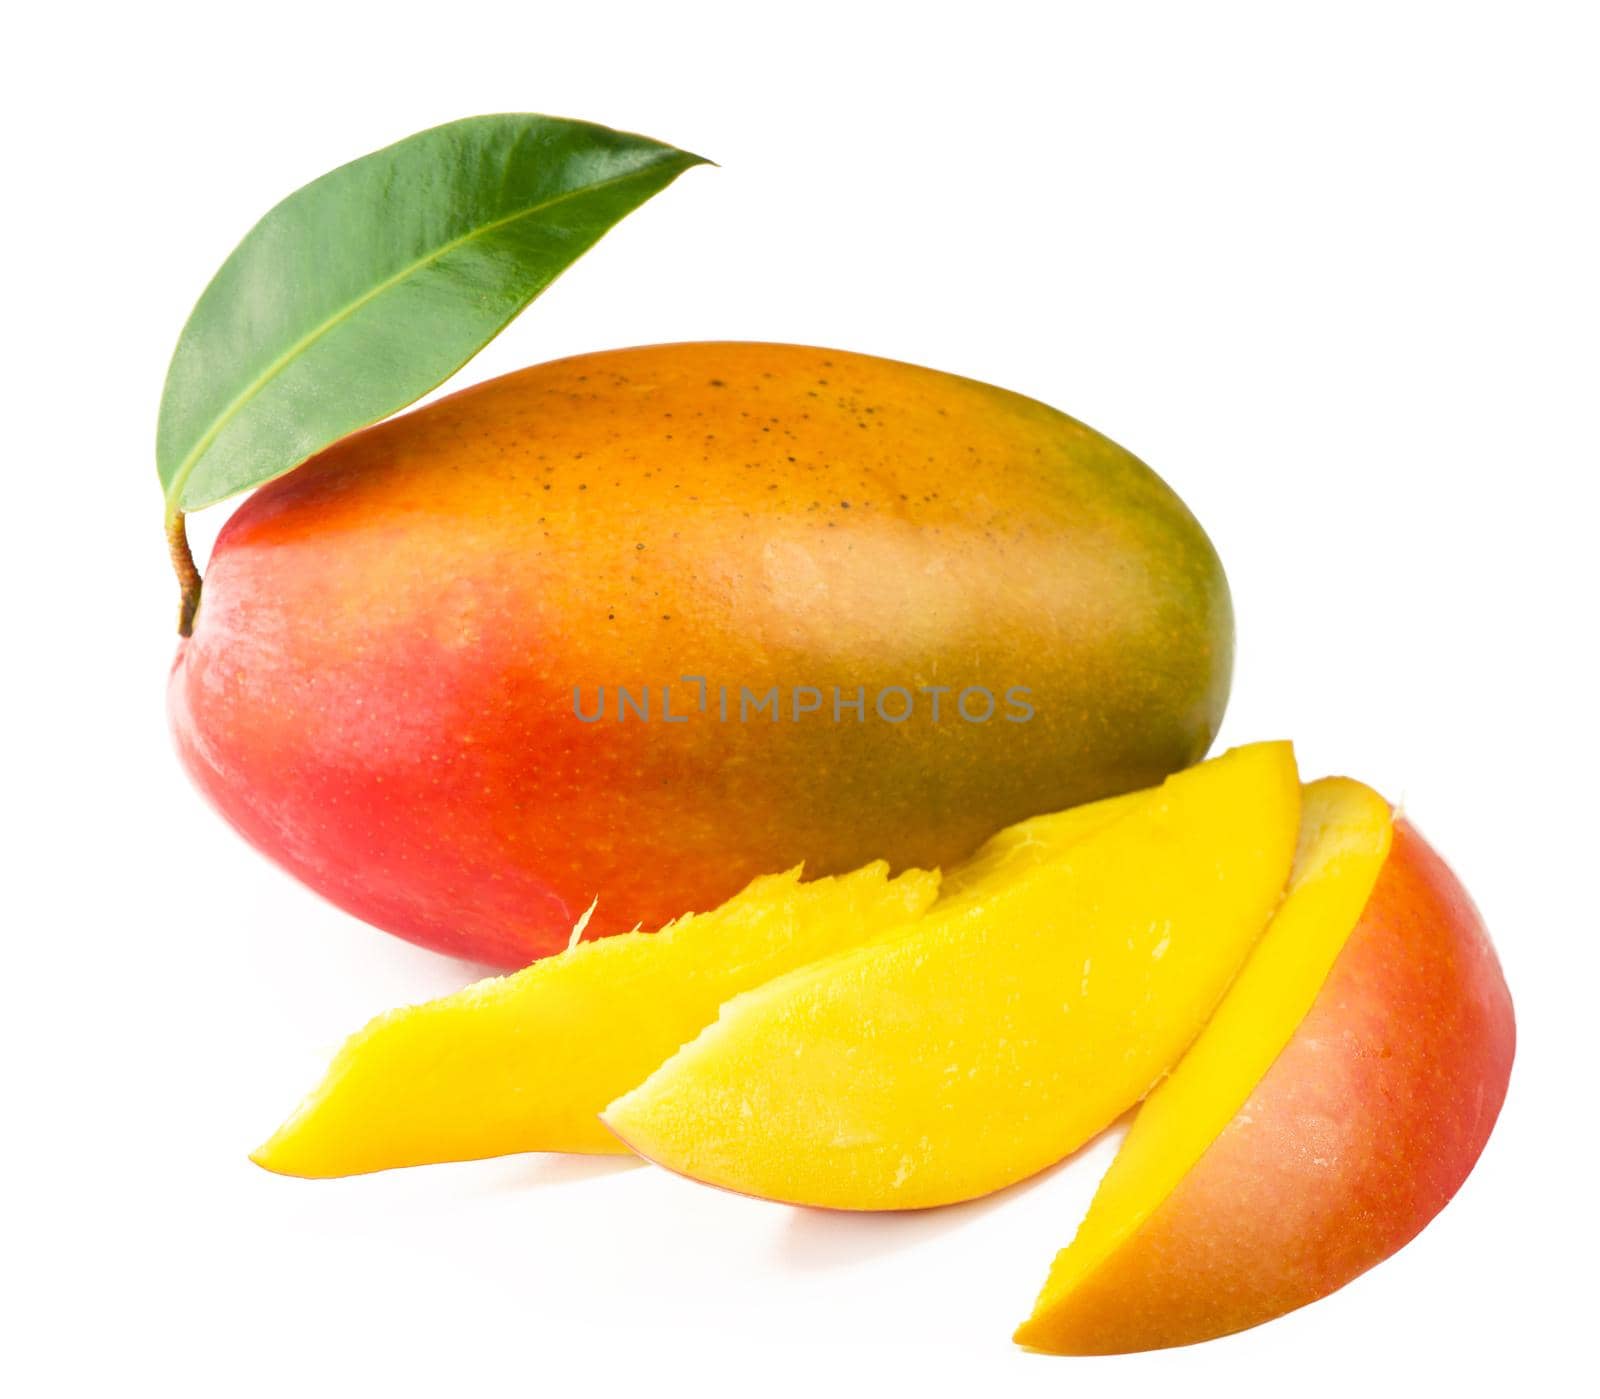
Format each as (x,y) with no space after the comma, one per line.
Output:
(1015,1021)
(1345,838)
(526,1062)
(1028,844)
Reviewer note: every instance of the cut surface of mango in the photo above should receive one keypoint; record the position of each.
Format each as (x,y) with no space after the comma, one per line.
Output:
(1345,838)
(1028,844)
(525,1062)
(1020,1017)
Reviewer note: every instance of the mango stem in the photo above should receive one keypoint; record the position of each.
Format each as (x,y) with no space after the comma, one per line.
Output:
(188,574)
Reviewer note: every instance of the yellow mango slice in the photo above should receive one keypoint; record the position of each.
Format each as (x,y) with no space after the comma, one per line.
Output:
(1345,838)
(525,1062)
(1004,1029)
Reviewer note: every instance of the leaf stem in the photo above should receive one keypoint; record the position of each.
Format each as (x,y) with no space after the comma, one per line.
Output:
(188,574)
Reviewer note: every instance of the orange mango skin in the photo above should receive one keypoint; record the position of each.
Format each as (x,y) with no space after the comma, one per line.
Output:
(1361,1131)
(379,689)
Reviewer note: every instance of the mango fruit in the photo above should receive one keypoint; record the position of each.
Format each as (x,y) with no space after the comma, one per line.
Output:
(526,1062)
(647,624)
(1332,1106)
(1002,1031)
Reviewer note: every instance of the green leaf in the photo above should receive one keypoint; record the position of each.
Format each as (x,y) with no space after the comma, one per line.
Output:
(374,284)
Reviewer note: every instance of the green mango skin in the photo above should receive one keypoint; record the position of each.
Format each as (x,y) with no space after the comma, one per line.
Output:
(379,690)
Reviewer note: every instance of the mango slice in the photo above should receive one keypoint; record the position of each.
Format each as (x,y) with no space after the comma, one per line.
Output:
(998,1034)
(1337,1100)
(525,1062)
(1345,837)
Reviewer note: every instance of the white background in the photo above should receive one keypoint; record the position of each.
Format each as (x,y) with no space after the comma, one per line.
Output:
(1330,269)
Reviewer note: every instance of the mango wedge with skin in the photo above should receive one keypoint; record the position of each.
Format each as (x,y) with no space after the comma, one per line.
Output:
(525,1062)
(1332,1106)
(1345,834)
(997,1035)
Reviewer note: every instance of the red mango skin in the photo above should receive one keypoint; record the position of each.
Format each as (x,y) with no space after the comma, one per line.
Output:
(1361,1131)
(379,688)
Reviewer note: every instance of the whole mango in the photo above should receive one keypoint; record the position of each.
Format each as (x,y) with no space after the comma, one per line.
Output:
(638,626)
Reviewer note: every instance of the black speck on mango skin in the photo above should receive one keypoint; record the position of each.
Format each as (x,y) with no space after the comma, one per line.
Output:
(757,514)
